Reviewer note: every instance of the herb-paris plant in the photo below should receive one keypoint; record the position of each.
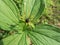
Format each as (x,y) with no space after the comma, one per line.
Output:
(22,23)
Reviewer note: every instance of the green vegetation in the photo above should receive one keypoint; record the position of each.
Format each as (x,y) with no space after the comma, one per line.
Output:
(29,22)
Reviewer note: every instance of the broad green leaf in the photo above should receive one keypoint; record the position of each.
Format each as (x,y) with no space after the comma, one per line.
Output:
(27,7)
(16,39)
(37,10)
(32,8)
(9,14)
(45,35)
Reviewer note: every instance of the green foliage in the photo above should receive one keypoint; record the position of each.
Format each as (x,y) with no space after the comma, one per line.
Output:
(51,13)
(19,18)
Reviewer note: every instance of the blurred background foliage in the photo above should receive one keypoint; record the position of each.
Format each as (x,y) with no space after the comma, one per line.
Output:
(51,14)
